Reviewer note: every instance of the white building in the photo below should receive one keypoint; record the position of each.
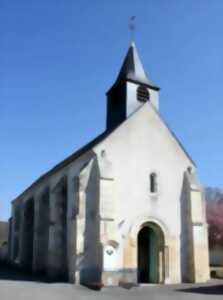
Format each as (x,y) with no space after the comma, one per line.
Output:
(126,208)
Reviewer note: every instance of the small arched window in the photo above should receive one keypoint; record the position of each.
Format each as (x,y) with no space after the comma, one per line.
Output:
(153,183)
(142,94)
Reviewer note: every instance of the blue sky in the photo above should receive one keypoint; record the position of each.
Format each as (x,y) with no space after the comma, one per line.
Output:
(58,58)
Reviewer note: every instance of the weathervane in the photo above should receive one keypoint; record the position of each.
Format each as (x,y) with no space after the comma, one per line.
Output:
(132,27)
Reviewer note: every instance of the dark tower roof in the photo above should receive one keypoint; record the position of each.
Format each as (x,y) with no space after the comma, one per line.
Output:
(132,69)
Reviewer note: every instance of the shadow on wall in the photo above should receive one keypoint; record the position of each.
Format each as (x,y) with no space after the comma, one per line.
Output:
(8,272)
(41,233)
(27,240)
(4,253)
(186,251)
(91,272)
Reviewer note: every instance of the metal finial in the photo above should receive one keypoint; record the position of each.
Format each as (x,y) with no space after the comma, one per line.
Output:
(132,27)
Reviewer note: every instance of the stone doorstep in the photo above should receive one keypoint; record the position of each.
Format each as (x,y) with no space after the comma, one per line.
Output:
(150,284)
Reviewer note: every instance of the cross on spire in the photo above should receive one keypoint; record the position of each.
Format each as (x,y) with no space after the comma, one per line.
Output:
(132,27)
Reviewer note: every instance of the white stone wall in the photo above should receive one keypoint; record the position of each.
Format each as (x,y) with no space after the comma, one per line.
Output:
(140,146)
(69,172)
(116,182)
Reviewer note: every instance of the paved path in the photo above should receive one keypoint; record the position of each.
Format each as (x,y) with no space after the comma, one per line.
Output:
(15,286)
(28,290)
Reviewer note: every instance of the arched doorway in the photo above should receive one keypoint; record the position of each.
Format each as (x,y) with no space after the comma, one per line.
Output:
(150,254)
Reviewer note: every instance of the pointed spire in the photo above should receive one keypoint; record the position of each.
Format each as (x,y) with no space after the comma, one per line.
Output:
(132,68)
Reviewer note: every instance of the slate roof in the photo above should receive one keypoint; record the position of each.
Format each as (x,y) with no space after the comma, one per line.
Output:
(132,69)
(68,160)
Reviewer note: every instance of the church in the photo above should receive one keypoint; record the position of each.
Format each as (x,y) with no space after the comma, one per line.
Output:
(127,208)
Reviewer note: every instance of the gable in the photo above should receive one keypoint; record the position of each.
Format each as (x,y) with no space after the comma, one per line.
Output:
(146,123)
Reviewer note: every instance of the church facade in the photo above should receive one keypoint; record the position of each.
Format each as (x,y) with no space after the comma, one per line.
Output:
(127,208)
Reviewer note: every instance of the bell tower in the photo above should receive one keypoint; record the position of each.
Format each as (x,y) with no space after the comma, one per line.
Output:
(131,90)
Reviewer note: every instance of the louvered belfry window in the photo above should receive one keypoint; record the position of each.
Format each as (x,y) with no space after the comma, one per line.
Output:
(142,94)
